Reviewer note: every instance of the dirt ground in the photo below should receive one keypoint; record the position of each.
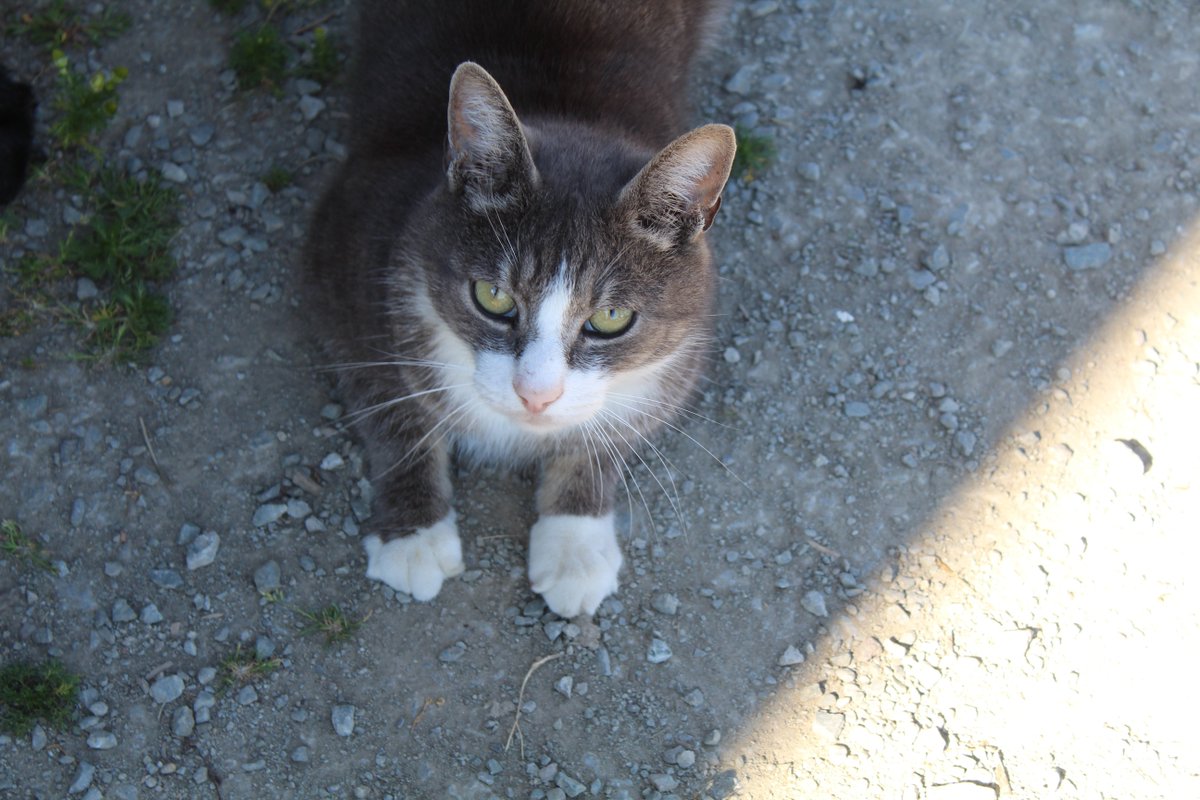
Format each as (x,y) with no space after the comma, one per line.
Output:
(930,533)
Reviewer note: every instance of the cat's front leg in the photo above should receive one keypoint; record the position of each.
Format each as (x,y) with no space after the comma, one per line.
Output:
(416,547)
(574,558)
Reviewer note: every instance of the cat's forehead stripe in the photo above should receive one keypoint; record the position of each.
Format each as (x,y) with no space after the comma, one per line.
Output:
(550,321)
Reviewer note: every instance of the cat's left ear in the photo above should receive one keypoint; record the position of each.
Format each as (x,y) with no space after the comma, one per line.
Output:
(487,155)
(676,196)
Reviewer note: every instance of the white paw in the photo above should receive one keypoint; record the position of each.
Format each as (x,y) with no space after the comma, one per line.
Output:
(573,562)
(417,564)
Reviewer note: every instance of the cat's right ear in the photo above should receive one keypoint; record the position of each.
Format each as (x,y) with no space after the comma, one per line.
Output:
(487,156)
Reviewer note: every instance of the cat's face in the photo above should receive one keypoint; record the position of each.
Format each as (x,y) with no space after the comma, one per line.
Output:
(569,278)
(558,326)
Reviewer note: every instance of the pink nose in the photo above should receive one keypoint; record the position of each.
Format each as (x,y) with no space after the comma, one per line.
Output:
(537,399)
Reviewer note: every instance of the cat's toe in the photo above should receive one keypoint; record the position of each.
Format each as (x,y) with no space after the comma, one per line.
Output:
(417,564)
(574,562)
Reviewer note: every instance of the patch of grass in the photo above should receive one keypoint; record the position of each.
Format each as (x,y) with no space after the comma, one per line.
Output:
(17,545)
(228,7)
(128,237)
(323,64)
(29,693)
(278,178)
(125,326)
(754,153)
(84,105)
(259,58)
(59,24)
(241,667)
(331,622)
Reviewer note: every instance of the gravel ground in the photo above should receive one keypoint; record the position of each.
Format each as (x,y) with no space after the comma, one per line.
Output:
(927,536)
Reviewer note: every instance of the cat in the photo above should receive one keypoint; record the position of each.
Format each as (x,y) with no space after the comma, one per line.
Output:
(17,106)
(517,274)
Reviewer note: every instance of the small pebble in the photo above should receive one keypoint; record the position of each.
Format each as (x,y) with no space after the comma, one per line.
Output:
(658,652)
(167,688)
(203,550)
(102,740)
(266,577)
(122,612)
(791,656)
(343,719)
(814,603)
(183,722)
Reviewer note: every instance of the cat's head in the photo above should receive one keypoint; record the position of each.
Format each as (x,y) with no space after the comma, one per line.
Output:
(566,267)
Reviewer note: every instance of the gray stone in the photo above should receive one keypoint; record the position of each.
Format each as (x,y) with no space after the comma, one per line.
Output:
(564,685)
(85,289)
(857,409)
(203,550)
(685,759)
(83,778)
(1087,256)
(266,577)
(122,612)
(300,754)
(658,651)
(311,107)
(663,782)
(102,740)
(452,653)
(174,173)
(167,688)
(37,738)
(814,603)
(201,134)
(151,615)
(166,578)
(739,82)
(791,656)
(343,719)
(665,603)
(33,407)
(828,725)
(267,513)
(921,279)
(572,787)
(183,722)
(331,462)
(247,695)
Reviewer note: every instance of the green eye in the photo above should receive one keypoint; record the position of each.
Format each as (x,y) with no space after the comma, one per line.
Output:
(608,322)
(493,300)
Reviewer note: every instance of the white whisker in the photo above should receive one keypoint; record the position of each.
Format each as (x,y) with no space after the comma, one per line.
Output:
(363,413)
(673,495)
(693,439)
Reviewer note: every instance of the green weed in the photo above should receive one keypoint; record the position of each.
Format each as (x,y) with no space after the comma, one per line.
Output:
(259,58)
(30,693)
(84,105)
(331,622)
(127,238)
(59,24)
(17,545)
(124,326)
(323,65)
(754,153)
(241,667)
(278,178)
(228,7)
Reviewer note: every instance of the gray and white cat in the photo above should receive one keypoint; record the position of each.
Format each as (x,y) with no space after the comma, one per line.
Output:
(519,274)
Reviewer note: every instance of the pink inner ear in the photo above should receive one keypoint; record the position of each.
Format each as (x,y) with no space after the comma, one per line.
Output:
(711,213)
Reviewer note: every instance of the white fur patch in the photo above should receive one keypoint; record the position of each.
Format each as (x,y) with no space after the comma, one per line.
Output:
(573,562)
(419,563)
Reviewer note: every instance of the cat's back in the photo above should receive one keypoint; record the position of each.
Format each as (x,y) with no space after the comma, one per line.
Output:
(618,63)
